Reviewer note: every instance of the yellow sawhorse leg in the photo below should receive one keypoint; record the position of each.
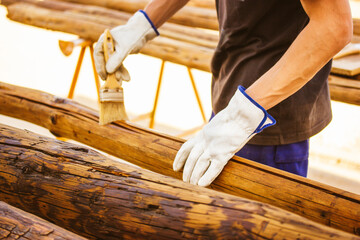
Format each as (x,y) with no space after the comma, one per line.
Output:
(67,48)
(156,100)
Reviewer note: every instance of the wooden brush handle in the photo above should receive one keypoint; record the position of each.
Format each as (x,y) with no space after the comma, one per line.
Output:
(108,46)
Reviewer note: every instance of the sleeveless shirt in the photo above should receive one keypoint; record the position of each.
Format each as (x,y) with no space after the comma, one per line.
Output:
(254,34)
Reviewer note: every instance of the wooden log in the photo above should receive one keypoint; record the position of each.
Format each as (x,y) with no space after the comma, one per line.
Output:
(189,15)
(85,26)
(17,224)
(114,18)
(202,3)
(87,22)
(81,190)
(155,151)
(344,89)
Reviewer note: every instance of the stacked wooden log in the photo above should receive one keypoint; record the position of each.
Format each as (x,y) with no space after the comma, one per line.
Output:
(17,224)
(99,198)
(179,44)
(154,151)
(185,45)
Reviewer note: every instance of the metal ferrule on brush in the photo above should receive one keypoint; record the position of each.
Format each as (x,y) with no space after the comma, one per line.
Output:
(112,95)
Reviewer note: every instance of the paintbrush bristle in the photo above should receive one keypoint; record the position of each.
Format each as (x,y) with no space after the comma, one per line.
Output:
(112,111)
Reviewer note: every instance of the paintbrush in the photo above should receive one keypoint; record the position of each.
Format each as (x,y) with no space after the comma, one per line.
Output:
(112,106)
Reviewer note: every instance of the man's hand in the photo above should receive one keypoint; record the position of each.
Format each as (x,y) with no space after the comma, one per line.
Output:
(128,39)
(205,155)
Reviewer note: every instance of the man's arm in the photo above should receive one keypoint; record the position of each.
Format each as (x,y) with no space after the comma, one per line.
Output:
(159,11)
(328,31)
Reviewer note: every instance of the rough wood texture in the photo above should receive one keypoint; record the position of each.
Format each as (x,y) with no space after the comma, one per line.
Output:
(17,224)
(203,3)
(89,26)
(154,151)
(100,198)
(193,16)
(114,18)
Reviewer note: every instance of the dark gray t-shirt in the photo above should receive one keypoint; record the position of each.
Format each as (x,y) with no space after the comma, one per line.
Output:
(254,34)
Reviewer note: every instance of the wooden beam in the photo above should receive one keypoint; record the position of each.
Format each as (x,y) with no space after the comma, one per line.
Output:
(17,224)
(154,151)
(77,188)
(193,16)
(344,89)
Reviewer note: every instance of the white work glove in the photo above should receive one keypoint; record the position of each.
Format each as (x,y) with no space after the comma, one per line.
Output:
(206,154)
(128,39)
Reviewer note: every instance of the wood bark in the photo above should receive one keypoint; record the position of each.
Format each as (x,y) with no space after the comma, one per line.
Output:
(91,27)
(155,151)
(86,192)
(17,224)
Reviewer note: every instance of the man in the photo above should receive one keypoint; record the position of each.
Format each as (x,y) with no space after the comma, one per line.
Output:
(273,55)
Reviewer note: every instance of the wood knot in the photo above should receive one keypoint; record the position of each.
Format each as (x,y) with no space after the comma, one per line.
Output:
(25,169)
(53,119)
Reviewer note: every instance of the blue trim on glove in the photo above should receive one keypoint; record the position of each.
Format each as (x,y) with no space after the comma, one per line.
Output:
(151,23)
(260,127)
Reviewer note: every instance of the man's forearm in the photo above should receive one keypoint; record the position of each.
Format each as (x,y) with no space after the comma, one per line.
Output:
(328,31)
(159,11)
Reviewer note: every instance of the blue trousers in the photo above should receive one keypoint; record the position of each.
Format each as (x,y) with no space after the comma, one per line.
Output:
(292,158)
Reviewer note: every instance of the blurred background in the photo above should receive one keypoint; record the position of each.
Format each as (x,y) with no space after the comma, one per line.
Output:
(31,57)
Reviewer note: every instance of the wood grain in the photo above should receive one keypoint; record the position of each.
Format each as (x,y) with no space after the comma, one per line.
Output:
(186,46)
(17,224)
(86,192)
(344,89)
(88,26)
(191,15)
(154,151)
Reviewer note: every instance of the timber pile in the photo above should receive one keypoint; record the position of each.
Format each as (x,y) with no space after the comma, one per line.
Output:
(83,191)
(17,224)
(194,49)
(196,14)
(179,44)
(154,151)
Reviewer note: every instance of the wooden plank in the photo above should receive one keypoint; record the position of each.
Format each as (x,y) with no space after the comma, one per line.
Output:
(100,198)
(17,224)
(344,89)
(151,150)
(348,65)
